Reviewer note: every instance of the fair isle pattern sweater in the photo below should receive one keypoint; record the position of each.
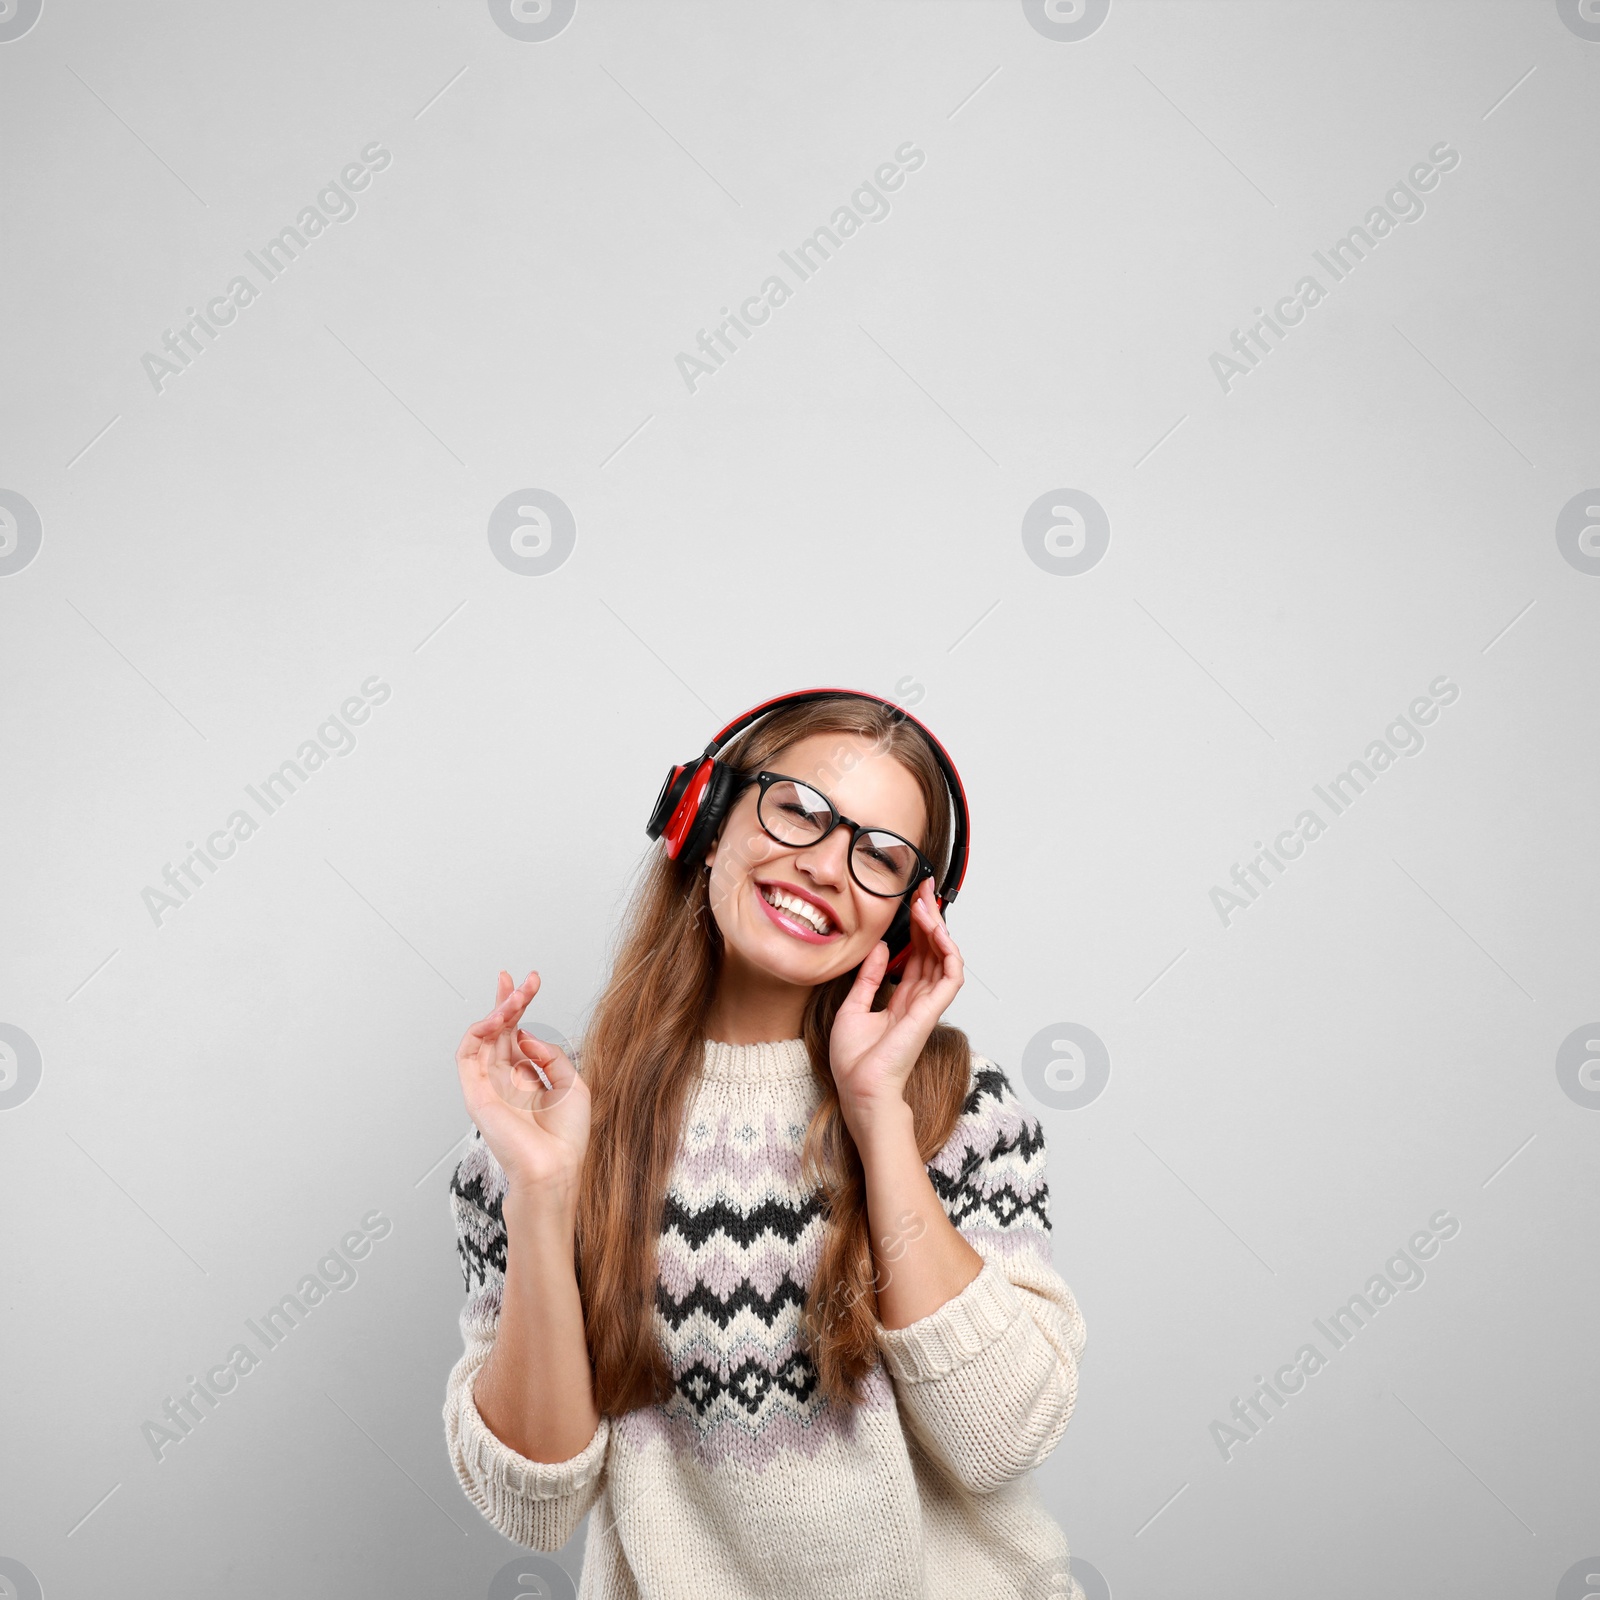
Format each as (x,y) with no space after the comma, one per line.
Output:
(748,1483)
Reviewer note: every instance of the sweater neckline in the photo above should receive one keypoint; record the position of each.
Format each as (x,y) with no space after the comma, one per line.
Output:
(771,1061)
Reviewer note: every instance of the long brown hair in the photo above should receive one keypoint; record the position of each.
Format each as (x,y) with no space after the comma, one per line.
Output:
(643,1049)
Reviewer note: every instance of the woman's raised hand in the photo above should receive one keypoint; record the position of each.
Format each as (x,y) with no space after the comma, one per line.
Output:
(525,1096)
(872,1052)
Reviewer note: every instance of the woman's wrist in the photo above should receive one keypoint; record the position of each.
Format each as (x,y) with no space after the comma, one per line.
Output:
(884,1132)
(548,1207)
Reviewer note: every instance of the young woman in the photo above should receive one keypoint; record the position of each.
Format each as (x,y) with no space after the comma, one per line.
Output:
(768,1287)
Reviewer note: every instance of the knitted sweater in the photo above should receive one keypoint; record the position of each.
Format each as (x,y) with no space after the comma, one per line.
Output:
(747,1482)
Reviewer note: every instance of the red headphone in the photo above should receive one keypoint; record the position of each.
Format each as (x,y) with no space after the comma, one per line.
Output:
(696,796)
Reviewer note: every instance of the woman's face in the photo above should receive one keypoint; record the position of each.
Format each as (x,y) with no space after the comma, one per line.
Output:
(749,868)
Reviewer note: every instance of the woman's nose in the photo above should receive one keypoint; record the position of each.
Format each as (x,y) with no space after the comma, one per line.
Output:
(828,857)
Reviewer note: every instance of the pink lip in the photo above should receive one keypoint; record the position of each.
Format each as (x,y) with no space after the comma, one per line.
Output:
(795,929)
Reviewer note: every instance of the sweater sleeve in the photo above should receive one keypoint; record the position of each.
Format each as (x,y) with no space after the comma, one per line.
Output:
(534,1503)
(989,1379)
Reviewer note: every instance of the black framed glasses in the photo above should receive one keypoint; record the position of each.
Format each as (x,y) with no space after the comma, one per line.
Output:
(796,814)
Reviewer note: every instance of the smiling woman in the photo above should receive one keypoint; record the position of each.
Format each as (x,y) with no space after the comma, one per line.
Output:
(769,1285)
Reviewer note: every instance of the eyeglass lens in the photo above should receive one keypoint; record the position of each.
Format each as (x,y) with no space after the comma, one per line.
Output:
(796,814)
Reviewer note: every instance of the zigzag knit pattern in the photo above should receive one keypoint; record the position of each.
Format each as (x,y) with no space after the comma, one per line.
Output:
(740,1240)
(997,1151)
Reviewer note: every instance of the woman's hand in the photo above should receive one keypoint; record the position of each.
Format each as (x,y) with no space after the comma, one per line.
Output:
(526,1098)
(873,1052)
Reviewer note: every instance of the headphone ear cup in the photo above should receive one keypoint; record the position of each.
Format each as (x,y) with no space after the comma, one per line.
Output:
(667,800)
(714,803)
(898,938)
(690,793)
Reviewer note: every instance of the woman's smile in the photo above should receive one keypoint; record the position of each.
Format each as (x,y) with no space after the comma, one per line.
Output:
(797,914)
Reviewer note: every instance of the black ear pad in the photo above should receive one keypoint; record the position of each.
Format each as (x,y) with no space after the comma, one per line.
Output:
(898,935)
(713,808)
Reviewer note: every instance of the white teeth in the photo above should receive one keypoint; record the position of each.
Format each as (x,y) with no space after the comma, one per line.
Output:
(801,908)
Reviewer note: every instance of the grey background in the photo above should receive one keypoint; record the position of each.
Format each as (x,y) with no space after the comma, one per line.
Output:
(1290,1097)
